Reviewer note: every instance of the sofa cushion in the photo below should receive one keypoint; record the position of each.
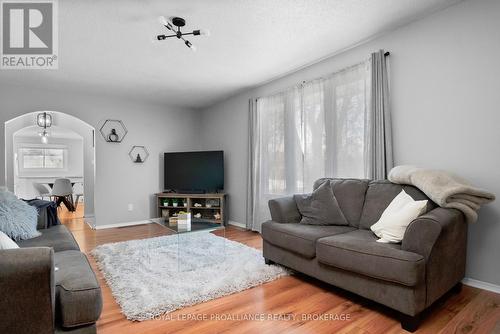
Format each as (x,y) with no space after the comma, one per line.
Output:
(350,194)
(57,237)
(320,207)
(379,195)
(299,238)
(78,295)
(358,252)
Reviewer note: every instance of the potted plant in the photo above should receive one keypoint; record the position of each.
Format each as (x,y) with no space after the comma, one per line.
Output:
(175,202)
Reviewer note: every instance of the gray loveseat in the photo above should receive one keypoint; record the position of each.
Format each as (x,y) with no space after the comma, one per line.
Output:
(407,277)
(38,299)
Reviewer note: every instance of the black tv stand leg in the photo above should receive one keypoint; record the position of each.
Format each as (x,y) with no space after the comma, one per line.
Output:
(410,323)
(457,288)
(267,261)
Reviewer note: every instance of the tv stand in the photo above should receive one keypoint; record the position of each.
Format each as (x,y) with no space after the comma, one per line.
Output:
(205,205)
(190,192)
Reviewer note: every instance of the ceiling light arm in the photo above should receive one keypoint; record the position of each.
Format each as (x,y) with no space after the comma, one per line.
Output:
(196,33)
(162,37)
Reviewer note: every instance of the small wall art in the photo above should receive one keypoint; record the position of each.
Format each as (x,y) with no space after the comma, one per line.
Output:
(113,131)
(138,154)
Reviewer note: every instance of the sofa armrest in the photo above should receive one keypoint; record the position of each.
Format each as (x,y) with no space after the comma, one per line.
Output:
(284,210)
(28,290)
(422,233)
(441,237)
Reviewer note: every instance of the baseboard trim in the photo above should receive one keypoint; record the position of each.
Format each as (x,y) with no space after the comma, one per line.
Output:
(140,222)
(233,223)
(481,285)
(90,222)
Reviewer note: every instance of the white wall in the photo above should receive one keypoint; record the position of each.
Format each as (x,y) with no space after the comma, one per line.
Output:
(445,99)
(118,181)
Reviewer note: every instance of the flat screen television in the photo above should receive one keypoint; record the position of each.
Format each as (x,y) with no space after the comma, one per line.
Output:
(194,172)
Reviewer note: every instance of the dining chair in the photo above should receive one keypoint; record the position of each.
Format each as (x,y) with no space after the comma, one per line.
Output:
(63,191)
(42,189)
(77,192)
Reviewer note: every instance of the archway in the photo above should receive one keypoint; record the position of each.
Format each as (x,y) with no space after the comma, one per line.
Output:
(61,123)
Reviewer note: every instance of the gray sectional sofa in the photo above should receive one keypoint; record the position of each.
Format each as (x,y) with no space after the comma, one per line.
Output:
(36,298)
(407,277)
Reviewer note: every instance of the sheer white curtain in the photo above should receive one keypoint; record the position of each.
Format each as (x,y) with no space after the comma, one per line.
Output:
(317,129)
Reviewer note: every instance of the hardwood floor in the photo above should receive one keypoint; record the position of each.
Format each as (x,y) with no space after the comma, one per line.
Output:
(295,302)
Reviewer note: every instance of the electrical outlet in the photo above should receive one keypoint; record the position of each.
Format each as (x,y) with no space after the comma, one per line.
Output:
(131,207)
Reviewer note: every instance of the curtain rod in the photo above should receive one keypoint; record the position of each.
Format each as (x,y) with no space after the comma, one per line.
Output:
(281,90)
(386,54)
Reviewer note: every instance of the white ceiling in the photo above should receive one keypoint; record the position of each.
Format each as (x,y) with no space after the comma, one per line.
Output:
(54,132)
(106,46)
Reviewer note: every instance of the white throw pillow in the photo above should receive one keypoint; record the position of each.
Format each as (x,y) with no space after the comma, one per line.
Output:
(391,226)
(6,242)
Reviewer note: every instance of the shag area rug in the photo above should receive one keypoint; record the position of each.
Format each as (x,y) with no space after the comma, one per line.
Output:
(154,276)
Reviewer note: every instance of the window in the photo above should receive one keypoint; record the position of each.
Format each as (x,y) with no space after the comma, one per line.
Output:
(316,129)
(42,158)
(313,130)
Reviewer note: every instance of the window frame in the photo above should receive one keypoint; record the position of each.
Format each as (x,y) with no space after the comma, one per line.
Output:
(27,171)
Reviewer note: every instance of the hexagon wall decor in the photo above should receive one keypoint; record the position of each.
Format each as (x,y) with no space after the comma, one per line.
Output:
(138,154)
(113,131)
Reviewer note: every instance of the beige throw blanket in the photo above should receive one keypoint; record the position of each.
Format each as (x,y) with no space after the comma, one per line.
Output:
(445,189)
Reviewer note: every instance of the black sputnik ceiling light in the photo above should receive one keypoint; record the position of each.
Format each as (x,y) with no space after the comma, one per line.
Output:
(176,32)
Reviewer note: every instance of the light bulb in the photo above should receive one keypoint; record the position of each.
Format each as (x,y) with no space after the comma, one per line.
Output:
(201,32)
(165,22)
(205,32)
(190,45)
(44,136)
